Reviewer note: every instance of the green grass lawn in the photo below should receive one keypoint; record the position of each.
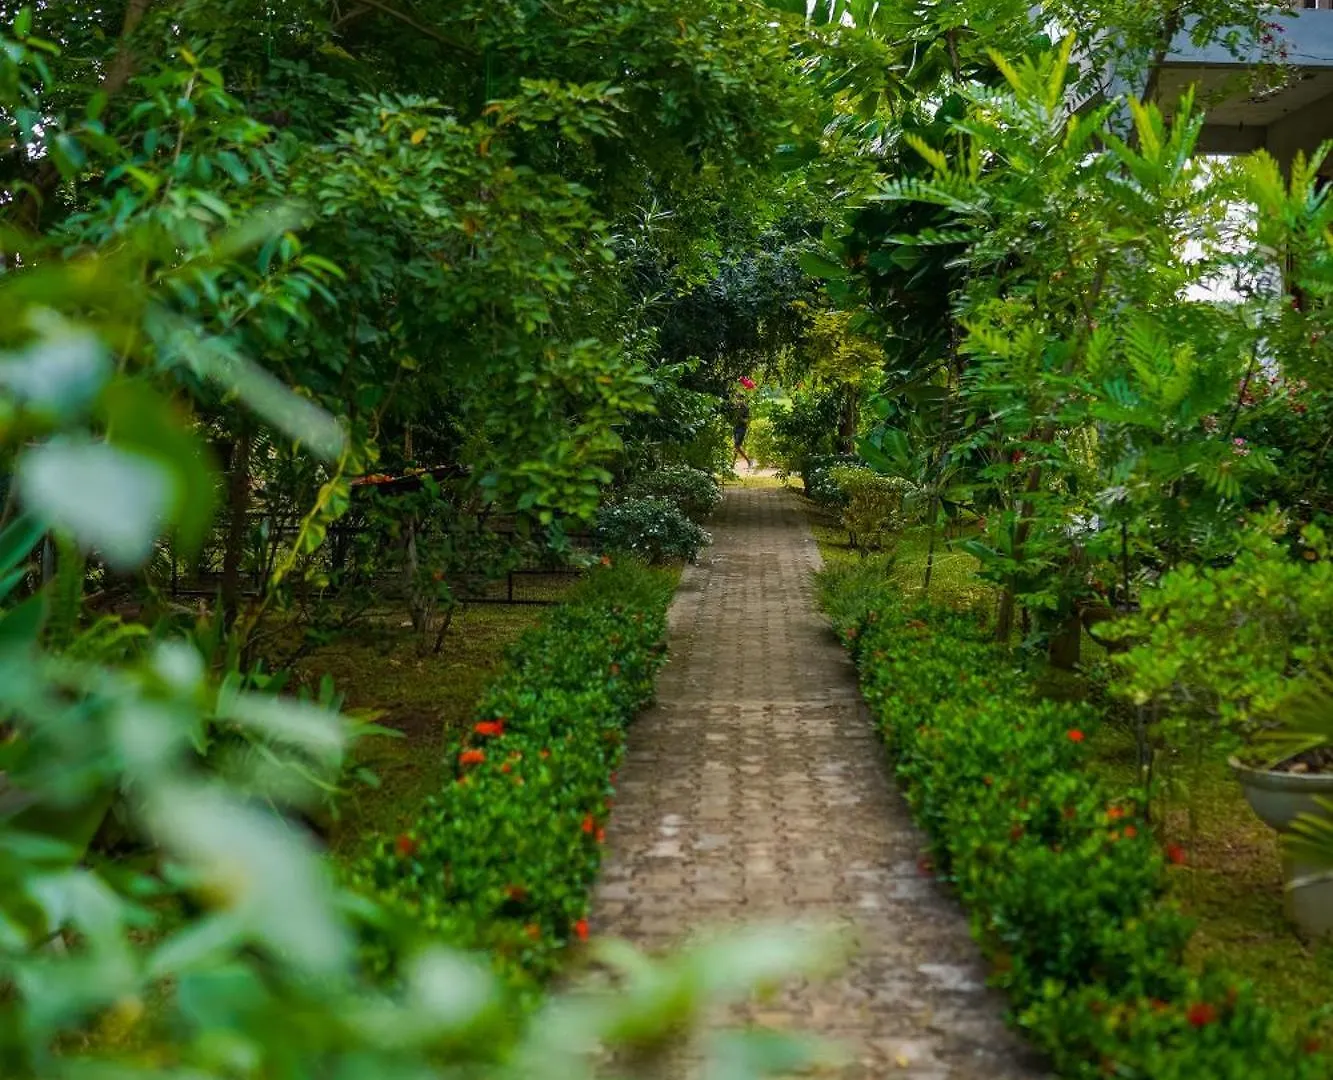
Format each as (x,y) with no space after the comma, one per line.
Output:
(377,666)
(1232,883)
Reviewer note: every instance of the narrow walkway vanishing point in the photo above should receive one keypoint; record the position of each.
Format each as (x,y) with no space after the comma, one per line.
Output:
(756,790)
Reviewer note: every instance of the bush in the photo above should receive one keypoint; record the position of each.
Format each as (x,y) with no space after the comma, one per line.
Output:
(653,529)
(816,475)
(503,857)
(872,505)
(694,491)
(1065,885)
(805,430)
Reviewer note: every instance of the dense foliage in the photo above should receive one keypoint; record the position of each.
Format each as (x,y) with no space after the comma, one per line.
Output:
(695,492)
(502,858)
(655,529)
(1062,876)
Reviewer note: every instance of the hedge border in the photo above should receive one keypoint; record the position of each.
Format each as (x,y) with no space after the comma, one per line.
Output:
(1064,882)
(503,857)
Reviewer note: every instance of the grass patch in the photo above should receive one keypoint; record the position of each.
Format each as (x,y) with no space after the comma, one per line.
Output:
(1232,886)
(426,699)
(953,580)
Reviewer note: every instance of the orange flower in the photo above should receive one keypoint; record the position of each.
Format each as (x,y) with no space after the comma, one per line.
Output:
(1074,735)
(405,846)
(533,931)
(1130,832)
(589,824)
(601,836)
(489,727)
(581,929)
(545,754)
(1201,1014)
(1115,813)
(471,757)
(506,767)
(606,560)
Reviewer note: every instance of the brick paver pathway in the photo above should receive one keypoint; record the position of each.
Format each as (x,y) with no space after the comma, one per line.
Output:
(757,790)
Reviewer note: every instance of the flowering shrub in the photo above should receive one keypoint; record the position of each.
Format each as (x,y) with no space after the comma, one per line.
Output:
(501,859)
(694,491)
(1063,881)
(654,529)
(818,479)
(873,506)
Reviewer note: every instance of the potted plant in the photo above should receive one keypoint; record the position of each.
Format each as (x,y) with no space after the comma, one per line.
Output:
(1230,660)
(1293,794)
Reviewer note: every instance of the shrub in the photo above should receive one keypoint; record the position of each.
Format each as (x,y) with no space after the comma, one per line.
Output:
(694,491)
(872,505)
(818,480)
(1064,883)
(503,857)
(653,529)
(805,430)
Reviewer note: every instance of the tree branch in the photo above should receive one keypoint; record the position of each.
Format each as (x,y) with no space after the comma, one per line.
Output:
(366,6)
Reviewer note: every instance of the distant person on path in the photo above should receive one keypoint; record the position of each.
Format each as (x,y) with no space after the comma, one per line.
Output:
(740,427)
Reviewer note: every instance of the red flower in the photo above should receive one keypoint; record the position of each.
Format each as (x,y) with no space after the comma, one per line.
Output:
(601,836)
(405,846)
(589,824)
(471,757)
(506,767)
(1130,832)
(581,929)
(1176,854)
(1115,813)
(747,382)
(1074,735)
(1201,1014)
(489,727)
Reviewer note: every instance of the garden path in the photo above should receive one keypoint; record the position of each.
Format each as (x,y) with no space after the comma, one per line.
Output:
(756,789)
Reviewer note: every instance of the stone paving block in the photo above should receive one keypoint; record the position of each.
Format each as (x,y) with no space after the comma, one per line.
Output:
(757,788)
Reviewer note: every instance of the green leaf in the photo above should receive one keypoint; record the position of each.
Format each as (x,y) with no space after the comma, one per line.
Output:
(819,266)
(18,540)
(110,500)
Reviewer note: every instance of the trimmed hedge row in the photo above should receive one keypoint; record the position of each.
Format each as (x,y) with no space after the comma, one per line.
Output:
(502,858)
(1064,882)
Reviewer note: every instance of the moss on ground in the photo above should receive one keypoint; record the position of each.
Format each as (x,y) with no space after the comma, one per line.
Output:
(1232,883)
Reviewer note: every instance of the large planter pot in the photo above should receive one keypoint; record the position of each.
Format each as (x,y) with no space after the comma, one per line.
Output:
(1278,798)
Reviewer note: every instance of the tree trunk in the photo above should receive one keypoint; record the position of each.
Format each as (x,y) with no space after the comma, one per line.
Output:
(1065,648)
(238,510)
(847,430)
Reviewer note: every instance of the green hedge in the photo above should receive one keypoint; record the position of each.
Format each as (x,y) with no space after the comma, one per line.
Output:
(1064,882)
(502,859)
